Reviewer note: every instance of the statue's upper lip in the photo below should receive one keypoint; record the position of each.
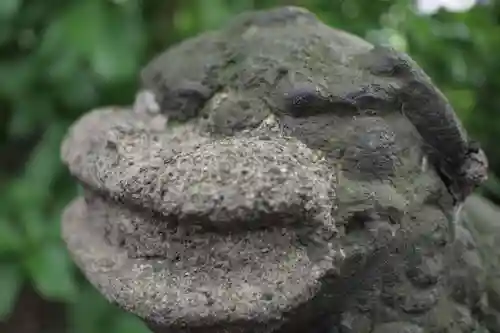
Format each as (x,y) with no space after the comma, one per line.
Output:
(184,174)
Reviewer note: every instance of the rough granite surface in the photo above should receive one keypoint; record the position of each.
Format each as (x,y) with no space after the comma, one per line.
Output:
(278,175)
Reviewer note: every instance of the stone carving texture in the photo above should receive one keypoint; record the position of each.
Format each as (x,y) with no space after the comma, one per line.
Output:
(279,175)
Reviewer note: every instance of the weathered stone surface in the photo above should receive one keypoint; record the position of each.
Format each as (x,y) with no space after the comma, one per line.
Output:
(479,269)
(398,328)
(279,175)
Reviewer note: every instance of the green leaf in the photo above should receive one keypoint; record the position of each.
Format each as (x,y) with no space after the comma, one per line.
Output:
(43,165)
(111,60)
(52,272)
(212,14)
(118,48)
(78,94)
(111,41)
(21,73)
(9,8)
(11,281)
(90,312)
(11,240)
(127,323)
(30,112)
(33,222)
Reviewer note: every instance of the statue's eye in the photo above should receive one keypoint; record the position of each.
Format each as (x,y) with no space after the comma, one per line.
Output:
(308,100)
(184,100)
(304,101)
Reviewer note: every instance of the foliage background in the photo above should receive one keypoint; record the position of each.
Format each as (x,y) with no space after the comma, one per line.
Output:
(59,59)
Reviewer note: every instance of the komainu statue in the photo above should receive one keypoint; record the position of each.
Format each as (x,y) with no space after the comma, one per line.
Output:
(281,176)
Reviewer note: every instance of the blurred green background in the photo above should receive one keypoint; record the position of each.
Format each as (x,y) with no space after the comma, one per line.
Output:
(60,58)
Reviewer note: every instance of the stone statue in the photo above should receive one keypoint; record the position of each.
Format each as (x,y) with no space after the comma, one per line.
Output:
(279,175)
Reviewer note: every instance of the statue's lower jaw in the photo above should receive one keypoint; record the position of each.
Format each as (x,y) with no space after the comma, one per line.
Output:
(221,292)
(248,283)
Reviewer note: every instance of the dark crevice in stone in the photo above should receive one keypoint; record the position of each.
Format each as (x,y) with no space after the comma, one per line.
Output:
(307,100)
(358,221)
(184,102)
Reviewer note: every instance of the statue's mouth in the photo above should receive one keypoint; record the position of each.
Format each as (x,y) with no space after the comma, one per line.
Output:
(221,221)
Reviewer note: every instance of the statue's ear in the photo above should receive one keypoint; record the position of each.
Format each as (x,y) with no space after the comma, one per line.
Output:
(183,100)
(445,139)
(183,78)
(386,61)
